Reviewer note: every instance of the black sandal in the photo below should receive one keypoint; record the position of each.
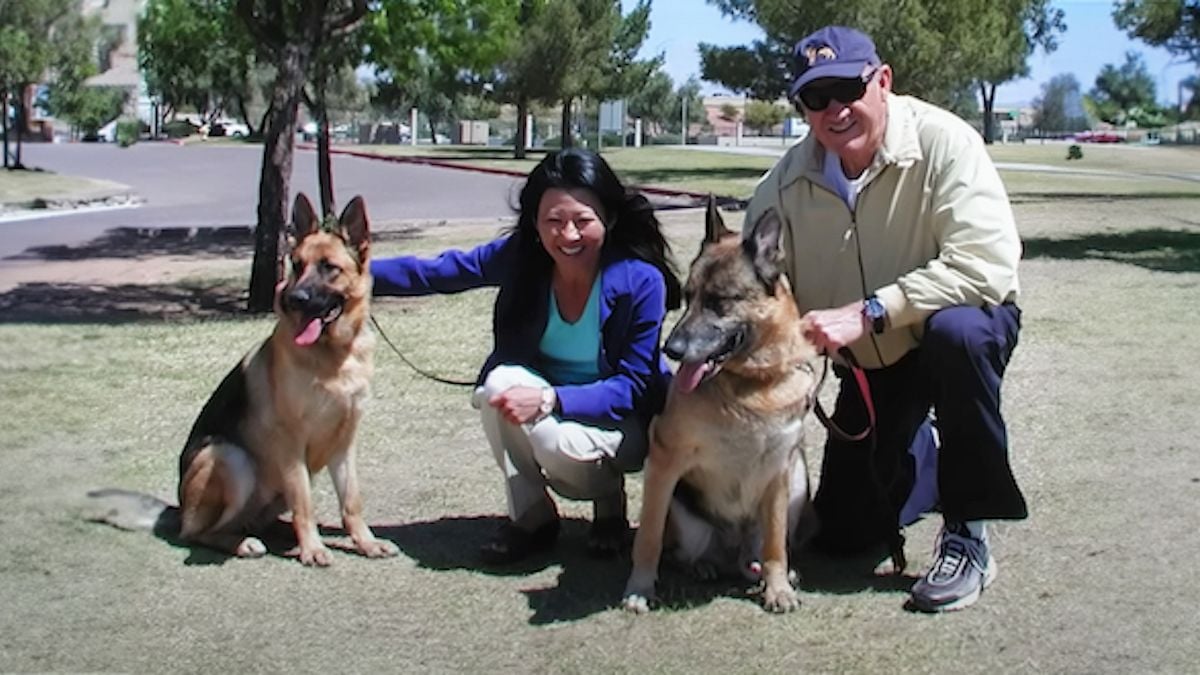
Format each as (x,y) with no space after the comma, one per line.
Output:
(512,544)
(608,537)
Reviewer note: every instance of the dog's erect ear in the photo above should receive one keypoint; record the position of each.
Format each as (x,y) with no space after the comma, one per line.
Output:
(304,219)
(762,245)
(714,224)
(355,228)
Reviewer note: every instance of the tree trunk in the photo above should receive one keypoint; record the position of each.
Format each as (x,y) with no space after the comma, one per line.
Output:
(22,123)
(4,123)
(522,113)
(432,129)
(278,148)
(568,137)
(987,91)
(324,163)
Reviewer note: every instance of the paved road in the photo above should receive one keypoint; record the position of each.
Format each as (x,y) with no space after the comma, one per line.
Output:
(217,185)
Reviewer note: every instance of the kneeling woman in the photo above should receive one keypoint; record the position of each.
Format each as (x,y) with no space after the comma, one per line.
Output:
(576,372)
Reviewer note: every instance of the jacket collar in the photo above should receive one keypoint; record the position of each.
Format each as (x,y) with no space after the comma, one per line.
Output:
(901,146)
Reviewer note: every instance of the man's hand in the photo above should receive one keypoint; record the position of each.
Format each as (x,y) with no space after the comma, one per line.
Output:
(832,329)
(518,405)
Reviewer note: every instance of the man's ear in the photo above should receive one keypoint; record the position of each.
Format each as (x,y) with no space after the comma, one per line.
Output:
(355,228)
(762,245)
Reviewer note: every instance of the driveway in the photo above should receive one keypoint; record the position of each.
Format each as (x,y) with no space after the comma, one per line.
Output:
(217,186)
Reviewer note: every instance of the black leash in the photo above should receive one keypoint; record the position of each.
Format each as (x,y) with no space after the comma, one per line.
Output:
(410,364)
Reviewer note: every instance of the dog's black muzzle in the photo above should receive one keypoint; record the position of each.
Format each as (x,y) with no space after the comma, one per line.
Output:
(311,302)
(708,344)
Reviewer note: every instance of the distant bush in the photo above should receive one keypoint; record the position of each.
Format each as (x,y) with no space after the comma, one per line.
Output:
(128,131)
(179,129)
(663,139)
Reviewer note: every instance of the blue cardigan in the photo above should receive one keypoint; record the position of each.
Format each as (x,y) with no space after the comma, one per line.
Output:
(633,373)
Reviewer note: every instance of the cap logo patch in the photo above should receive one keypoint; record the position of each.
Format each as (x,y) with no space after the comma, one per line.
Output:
(822,53)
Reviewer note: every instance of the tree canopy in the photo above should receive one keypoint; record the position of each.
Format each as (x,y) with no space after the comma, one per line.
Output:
(1126,94)
(1060,107)
(936,48)
(1172,24)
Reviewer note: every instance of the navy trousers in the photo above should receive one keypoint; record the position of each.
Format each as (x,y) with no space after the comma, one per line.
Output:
(956,372)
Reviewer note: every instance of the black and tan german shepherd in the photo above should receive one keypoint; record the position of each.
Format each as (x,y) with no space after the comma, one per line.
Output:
(726,484)
(289,409)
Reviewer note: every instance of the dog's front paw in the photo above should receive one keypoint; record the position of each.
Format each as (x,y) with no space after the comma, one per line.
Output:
(318,556)
(250,547)
(780,599)
(636,603)
(377,548)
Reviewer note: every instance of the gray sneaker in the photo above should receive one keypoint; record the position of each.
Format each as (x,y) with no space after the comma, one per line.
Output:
(962,569)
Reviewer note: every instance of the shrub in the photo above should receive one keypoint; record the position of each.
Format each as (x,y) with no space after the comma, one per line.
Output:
(128,131)
(178,129)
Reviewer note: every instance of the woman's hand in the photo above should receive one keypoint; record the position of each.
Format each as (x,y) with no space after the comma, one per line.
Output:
(518,405)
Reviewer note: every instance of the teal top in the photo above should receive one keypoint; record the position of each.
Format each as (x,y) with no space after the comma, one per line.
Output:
(571,351)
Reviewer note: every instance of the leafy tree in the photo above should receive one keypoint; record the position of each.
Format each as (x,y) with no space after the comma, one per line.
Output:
(1060,106)
(730,112)
(581,48)
(1191,109)
(431,53)
(936,48)
(762,116)
(1172,24)
(1127,94)
(36,36)
(68,95)
(199,54)
(689,94)
(530,71)
(762,70)
(655,103)
(291,33)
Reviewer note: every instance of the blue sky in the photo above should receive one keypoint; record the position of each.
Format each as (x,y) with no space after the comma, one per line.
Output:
(1091,41)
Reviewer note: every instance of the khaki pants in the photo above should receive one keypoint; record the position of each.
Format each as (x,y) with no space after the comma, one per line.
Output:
(575,460)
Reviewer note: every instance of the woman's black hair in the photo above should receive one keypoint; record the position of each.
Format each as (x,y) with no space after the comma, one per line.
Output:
(633,231)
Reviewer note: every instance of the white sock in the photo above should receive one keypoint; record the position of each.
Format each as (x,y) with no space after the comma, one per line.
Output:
(978,529)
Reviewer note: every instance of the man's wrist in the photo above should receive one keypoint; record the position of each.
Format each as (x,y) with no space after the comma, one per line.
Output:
(874,314)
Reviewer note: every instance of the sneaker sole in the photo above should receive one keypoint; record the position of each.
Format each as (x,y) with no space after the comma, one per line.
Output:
(989,575)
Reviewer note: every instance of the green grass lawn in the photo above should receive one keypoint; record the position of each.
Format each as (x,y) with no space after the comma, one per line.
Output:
(1099,398)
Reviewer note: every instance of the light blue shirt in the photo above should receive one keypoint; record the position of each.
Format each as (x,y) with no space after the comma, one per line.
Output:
(571,351)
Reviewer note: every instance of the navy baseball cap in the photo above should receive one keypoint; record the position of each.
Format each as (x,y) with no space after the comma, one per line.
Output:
(833,51)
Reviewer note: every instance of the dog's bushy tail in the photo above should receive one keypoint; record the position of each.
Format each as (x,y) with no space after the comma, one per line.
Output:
(127,510)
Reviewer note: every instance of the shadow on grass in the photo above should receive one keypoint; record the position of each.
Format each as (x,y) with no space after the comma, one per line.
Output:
(683,175)
(68,302)
(587,585)
(194,242)
(129,511)
(1156,249)
(50,303)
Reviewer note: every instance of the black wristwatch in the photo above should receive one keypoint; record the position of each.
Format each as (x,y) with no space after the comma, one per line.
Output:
(875,313)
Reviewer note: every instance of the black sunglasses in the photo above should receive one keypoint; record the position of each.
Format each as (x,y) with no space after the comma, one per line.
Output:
(843,91)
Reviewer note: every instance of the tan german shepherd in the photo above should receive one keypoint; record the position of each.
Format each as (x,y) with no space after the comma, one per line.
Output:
(726,483)
(287,410)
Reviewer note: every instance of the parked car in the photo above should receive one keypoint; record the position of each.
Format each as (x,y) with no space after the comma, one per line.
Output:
(229,128)
(1098,137)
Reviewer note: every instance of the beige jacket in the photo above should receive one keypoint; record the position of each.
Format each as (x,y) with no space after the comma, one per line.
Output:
(934,227)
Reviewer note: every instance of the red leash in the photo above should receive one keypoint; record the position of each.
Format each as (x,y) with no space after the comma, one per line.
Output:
(864,389)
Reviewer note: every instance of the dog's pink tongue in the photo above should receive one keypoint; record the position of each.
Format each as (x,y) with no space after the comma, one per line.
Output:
(688,377)
(309,333)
